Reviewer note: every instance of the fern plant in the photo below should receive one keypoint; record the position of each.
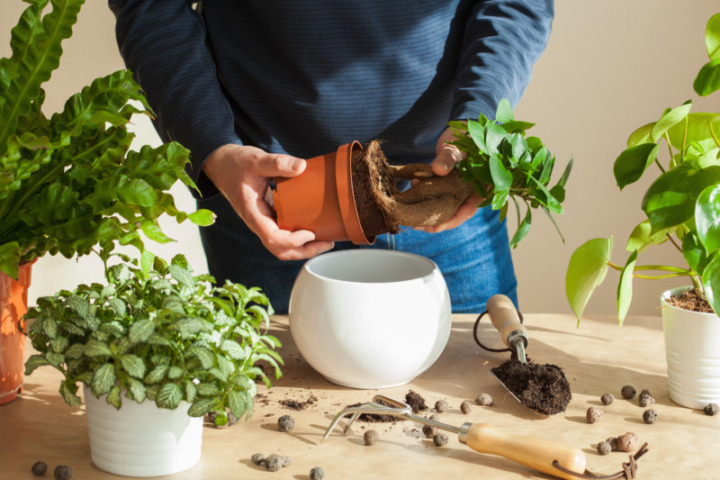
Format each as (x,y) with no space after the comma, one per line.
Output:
(70,182)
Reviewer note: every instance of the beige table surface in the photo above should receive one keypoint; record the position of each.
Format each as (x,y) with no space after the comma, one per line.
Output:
(598,357)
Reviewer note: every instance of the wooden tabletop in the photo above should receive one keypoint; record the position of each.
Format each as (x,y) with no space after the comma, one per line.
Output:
(597,358)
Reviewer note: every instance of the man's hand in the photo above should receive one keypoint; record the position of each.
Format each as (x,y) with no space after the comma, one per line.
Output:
(446,157)
(243,174)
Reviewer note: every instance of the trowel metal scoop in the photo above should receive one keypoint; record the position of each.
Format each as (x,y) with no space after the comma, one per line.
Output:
(543,455)
(508,321)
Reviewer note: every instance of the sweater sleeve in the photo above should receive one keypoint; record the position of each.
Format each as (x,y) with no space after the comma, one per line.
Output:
(503,39)
(163,43)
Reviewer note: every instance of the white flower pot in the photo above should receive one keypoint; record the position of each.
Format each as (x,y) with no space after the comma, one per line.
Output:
(140,439)
(692,348)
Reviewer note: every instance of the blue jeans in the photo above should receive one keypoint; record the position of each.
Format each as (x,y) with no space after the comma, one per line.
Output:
(474,258)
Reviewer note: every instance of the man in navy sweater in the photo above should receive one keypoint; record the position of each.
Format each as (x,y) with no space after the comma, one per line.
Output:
(253,87)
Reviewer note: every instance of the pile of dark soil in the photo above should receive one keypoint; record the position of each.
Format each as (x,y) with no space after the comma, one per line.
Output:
(690,300)
(542,388)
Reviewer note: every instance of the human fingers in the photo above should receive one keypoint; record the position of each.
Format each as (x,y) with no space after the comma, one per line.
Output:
(446,154)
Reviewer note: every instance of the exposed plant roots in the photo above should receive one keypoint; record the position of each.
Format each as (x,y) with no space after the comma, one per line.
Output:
(432,199)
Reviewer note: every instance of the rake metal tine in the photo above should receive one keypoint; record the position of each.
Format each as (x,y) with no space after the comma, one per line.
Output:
(398,409)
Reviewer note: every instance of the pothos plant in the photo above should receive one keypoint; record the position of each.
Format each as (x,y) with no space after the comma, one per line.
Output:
(70,182)
(158,332)
(682,205)
(503,164)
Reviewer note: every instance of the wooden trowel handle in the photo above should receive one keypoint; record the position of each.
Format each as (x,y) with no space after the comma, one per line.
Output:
(529,451)
(505,318)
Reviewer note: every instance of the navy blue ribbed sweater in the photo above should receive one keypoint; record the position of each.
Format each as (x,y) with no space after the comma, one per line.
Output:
(304,76)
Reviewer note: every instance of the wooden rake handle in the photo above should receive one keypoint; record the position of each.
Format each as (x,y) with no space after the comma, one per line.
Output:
(532,452)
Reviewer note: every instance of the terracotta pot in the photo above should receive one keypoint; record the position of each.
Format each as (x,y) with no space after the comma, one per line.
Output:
(13,305)
(321,199)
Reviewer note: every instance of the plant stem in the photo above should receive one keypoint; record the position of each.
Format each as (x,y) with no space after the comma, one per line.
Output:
(714,135)
(672,240)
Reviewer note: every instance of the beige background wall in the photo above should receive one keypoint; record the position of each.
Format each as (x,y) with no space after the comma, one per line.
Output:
(610,67)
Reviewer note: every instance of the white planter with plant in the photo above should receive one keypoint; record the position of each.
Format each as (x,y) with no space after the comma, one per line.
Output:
(682,206)
(155,335)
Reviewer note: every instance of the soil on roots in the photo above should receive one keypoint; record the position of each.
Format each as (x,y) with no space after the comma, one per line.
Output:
(371,184)
(542,388)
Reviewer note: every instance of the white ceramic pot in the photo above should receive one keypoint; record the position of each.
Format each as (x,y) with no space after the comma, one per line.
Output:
(140,439)
(370,318)
(692,348)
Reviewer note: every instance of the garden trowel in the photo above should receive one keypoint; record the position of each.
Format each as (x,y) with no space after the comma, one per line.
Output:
(542,388)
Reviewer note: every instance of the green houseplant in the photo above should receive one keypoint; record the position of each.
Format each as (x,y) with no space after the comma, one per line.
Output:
(682,204)
(159,332)
(158,336)
(69,183)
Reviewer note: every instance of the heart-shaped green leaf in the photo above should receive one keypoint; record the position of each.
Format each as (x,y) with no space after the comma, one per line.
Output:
(587,269)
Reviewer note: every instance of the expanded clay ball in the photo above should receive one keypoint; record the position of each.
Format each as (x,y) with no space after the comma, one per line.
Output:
(594,414)
(650,416)
(317,473)
(370,437)
(711,409)
(603,448)
(39,468)
(286,423)
(465,407)
(428,431)
(645,399)
(628,392)
(63,472)
(274,463)
(257,458)
(613,443)
(441,406)
(440,439)
(607,399)
(627,442)
(484,399)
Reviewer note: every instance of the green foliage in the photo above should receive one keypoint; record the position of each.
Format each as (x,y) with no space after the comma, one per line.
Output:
(682,204)
(162,334)
(502,165)
(70,182)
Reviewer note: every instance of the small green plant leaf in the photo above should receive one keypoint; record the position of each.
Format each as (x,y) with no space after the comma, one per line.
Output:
(103,379)
(34,362)
(202,217)
(201,406)
(624,291)
(641,237)
(670,200)
(137,389)
(236,403)
(711,282)
(707,217)
(141,330)
(133,365)
(169,396)
(587,269)
(708,78)
(113,397)
(69,394)
(96,348)
(694,253)
(669,119)
(632,163)
(712,37)
(522,230)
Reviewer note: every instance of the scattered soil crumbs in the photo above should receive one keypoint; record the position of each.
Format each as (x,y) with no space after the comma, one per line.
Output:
(690,300)
(297,405)
(542,388)
(416,401)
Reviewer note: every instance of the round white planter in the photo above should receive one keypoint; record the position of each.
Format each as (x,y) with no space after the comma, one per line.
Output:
(692,349)
(140,439)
